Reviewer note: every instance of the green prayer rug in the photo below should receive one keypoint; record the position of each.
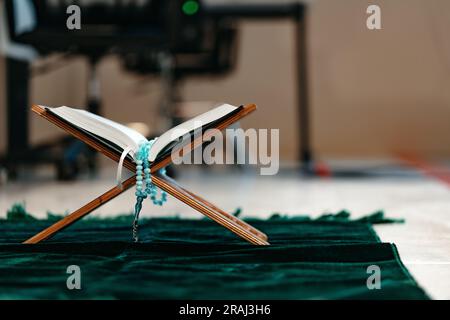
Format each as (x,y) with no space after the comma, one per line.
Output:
(326,258)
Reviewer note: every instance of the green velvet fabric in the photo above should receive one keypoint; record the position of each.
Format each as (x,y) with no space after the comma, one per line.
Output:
(196,259)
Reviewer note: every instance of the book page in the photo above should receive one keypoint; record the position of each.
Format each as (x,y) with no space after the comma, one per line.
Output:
(188,126)
(124,137)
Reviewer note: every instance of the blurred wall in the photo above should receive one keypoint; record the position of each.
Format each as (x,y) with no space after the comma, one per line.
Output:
(2,105)
(376,92)
(373,93)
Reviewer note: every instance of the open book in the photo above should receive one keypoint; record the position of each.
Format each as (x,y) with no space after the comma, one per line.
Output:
(119,137)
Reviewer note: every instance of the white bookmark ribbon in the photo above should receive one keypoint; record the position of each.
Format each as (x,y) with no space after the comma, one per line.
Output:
(120,167)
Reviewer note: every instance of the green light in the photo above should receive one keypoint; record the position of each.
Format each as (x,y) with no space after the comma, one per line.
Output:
(190,7)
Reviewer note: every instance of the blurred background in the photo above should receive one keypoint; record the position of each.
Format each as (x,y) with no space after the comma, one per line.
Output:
(372,93)
(364,115)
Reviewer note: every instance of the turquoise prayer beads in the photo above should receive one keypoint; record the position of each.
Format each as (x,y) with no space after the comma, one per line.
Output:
(144,186)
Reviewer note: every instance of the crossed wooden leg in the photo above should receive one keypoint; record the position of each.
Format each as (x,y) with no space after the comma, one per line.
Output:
(230,222)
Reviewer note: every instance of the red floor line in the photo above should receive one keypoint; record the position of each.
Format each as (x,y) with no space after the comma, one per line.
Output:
(322,170)
(434,171)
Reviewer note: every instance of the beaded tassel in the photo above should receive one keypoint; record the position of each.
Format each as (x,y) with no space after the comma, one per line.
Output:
(144,186)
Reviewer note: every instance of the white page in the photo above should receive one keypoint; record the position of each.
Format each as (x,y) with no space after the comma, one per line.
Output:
(112,131)
(184,128)
(125,137)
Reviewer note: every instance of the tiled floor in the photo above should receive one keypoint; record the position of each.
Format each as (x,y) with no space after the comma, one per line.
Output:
(423,241)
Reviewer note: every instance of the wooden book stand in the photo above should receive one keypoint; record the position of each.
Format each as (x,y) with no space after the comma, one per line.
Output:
(232,223)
